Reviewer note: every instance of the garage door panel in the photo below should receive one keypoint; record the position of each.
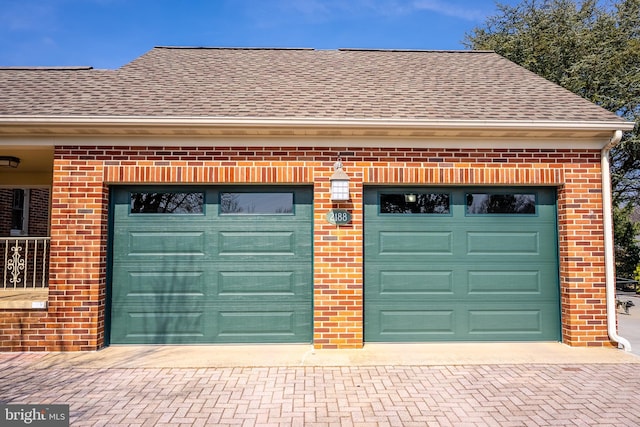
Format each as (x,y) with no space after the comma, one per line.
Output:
(256,323)
(408,282)
(213,277)
(412,242)
(503,243)
(262,283)
(263,239)
(166,243)
(516,321)
(413,323)
(505,321)
(159,284)
(153,245)
(512,283)
(201,323)
(256,242)
(268,282)
(510,243)
(156,244)
(162,283)
(259,323)
(448,322)
(137,325)
(461,276)
(443,245)
(405,283)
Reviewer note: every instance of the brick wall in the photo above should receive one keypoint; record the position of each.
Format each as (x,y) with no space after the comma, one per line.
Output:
(6,204)
(75,318)
(39,212)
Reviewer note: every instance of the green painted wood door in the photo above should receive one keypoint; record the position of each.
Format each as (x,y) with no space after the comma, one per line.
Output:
(461,264)
(211,265)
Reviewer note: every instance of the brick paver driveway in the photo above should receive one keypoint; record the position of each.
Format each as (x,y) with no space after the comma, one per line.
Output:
(483,395)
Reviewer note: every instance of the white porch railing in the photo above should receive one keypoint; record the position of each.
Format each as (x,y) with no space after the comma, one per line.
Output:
(24,262)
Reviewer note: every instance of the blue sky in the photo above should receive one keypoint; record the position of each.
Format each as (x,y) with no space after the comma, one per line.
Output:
(110,33)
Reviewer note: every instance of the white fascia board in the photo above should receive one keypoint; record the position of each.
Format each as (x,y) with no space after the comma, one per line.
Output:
(316,131)
(313,122)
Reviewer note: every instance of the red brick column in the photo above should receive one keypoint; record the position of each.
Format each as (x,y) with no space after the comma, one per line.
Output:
(582,269)
(338,264)
(77,271)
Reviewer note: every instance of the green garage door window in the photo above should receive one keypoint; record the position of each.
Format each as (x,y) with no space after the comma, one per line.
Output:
(256,203)
(185,269)
(501,204)
(415,203)
(166,203)
(483,269)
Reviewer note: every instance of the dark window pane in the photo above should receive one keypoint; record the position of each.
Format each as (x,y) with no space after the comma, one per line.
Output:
(256,203)
(17,211)
(18,198)
(481,203)
(414,203)
(167,203)
(17,220)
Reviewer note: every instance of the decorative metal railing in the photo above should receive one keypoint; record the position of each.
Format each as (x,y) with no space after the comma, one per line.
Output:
(24,262)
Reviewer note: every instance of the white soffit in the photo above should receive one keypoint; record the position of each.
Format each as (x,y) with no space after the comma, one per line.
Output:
(316,132)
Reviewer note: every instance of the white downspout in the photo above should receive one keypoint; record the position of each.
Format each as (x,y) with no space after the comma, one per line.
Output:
(609,260)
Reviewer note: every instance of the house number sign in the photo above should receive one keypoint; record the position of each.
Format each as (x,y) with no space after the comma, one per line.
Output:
(338,217)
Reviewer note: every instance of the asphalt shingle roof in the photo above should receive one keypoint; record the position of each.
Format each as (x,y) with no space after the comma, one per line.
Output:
(301,83)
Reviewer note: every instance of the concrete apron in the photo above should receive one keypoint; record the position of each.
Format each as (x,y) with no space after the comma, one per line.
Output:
(131,357)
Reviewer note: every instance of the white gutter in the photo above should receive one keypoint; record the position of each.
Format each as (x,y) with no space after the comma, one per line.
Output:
(610,279)
(309,122)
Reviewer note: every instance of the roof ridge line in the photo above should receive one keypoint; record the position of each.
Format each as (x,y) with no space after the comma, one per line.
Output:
(415,50)
(342,49)
(46,67)
(233,48)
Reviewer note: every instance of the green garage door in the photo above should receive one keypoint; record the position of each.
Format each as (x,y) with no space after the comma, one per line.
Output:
(211,265)
(461,264)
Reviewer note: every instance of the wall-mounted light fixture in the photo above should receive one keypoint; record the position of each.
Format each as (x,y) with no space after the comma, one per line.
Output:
(9,162)
(339,183)
(410,198)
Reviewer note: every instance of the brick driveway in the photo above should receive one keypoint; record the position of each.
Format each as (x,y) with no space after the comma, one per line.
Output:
(473,395)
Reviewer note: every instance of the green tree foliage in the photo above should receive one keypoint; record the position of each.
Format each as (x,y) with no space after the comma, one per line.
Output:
(626,247)
(591,48)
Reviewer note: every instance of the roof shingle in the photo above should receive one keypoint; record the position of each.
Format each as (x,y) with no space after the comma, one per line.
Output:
(300,83)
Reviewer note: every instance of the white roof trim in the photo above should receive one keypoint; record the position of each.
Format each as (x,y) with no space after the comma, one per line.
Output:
(41,130)
(313,122)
